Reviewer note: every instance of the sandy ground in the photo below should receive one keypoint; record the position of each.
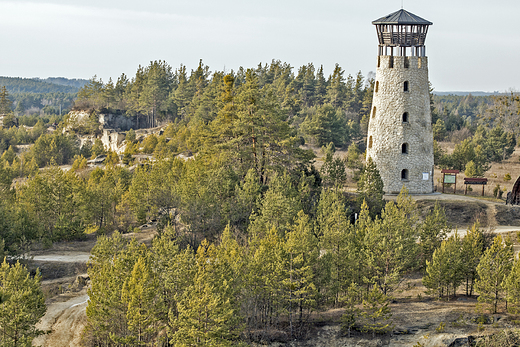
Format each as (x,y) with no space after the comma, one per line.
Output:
(63,257)
(65,317)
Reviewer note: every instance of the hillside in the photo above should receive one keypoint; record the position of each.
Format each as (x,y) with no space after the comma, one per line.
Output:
(29,85)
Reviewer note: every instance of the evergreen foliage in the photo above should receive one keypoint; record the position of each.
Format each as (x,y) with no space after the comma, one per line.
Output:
(493,269)
(376,313)
(444,273)
(251,237)
(370,188)
(30,85)
(22,304)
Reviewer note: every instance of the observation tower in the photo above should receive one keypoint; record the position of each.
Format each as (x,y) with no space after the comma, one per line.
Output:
(400,137)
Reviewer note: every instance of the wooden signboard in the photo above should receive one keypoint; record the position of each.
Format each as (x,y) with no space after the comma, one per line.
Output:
(450,177)
(476,180)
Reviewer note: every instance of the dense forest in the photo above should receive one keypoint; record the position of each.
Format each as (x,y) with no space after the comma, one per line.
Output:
(252,236)
(34,97)
(36,85)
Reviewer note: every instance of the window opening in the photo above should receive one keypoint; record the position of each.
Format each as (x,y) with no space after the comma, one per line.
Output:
(370,142)
(374,112)
(405,86)
(405,117)
(404,148)
(404,175)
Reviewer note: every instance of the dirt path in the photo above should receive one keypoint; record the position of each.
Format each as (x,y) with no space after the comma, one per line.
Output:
(61,265)
(65,319)
(63,257)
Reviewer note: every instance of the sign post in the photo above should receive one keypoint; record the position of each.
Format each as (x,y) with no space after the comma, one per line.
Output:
(479,181)
(450,177)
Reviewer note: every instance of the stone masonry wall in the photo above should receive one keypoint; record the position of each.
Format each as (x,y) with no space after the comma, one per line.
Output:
(387,131)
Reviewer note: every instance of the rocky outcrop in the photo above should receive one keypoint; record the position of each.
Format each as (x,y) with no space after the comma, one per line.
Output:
(331,336)
(123,123)
(80,120)
(112,126)
(113,140)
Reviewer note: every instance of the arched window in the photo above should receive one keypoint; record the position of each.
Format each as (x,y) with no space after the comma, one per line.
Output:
(405,117)
(374,112)
(405,86)
(377,86)
(370,142)
(404,148)
(404,175)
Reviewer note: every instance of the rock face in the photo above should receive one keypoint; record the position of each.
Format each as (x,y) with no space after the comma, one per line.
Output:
(77,119)
(112,126)
(113,140)
(400,137)
(123,123)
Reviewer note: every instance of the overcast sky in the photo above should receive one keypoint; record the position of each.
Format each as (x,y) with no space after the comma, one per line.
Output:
(473,45)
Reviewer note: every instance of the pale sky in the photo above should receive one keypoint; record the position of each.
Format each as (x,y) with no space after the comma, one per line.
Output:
(473,45)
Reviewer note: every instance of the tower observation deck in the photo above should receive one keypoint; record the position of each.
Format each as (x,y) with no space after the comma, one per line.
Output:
(402,30)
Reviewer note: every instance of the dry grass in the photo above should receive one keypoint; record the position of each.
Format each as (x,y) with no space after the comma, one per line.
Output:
(495,175)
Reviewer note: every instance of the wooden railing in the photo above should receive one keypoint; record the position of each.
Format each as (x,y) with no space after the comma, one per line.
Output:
(404,39)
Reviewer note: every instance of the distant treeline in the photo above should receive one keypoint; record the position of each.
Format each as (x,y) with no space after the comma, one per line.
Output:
(72,82)
(30,85)
(46,97)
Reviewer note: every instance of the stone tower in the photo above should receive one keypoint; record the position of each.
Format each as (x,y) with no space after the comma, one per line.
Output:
(400,138)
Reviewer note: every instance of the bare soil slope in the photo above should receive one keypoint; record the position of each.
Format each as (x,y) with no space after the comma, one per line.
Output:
(65,284)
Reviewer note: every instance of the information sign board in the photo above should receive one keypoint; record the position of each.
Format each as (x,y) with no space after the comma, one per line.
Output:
(449,178)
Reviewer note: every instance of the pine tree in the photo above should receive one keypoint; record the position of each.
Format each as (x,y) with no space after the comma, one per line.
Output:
(432,231)
(265,272)
(473,246)
(156,89)
(321,86)
(279,206)
(98,148)
(493,269)
(446,269)
(174,269)
(302,251)
(370,188)
(390,243)
(333,169)
(224,124)
(336,90)
(376,313)
(110,266)
(353,160)
(512,287)
(352,312)
(339,239)
(22,304)
(139,292)
(5,103)
(207,315)
(247,195)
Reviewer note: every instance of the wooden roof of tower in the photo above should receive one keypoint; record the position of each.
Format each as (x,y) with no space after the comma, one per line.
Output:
(401,29)
(402,17)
